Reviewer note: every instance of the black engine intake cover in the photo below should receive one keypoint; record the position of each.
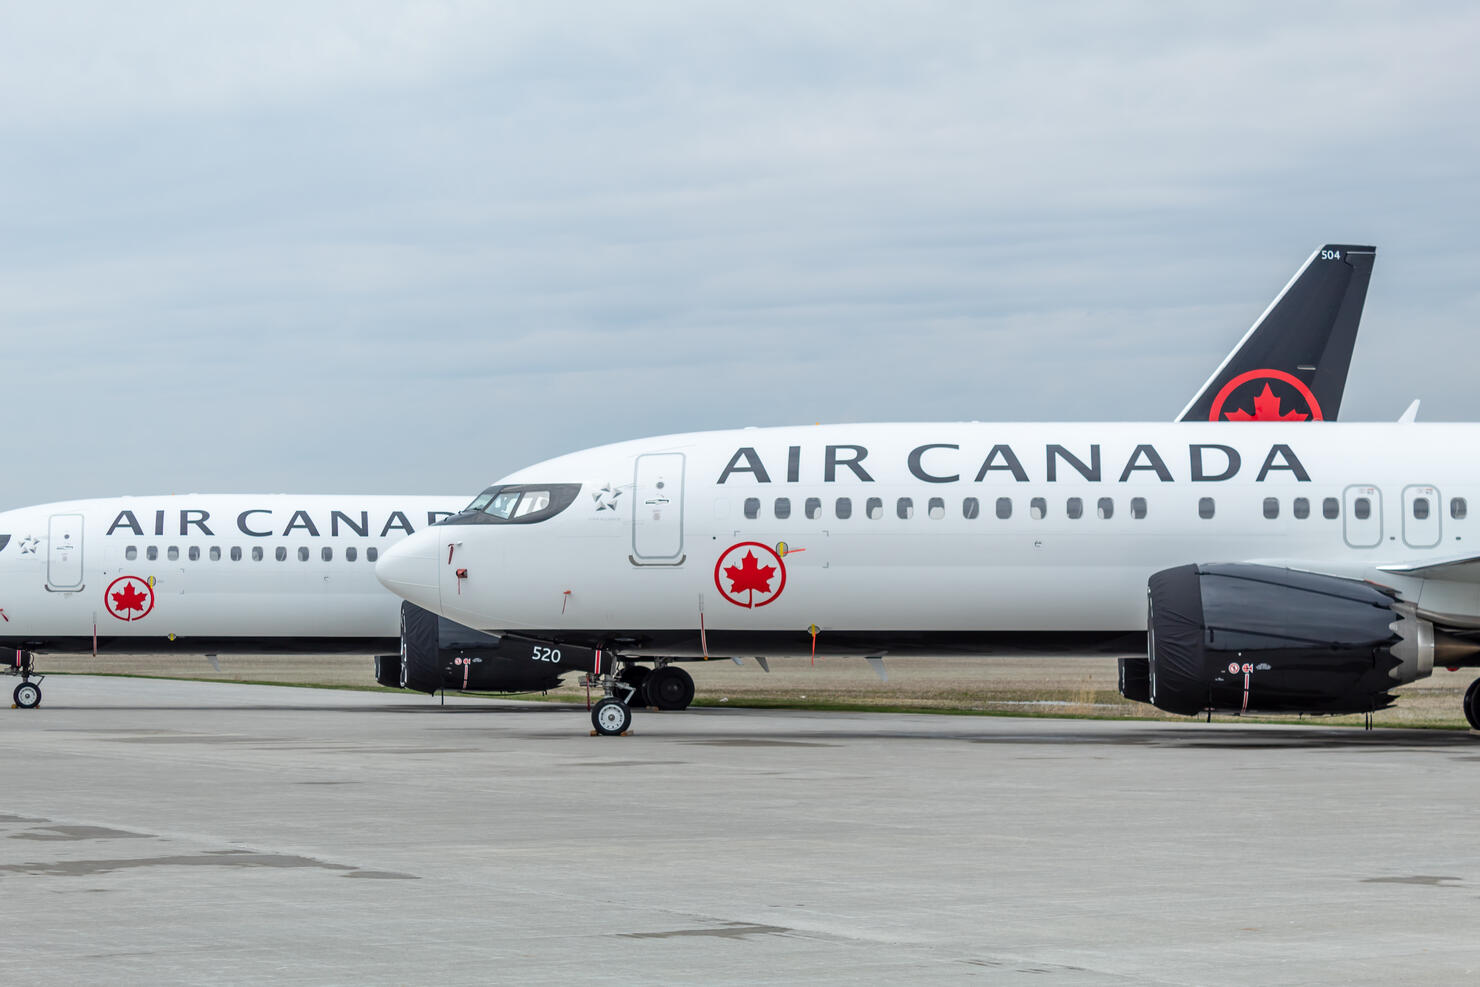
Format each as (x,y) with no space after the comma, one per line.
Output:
(437,653)
(1254,638)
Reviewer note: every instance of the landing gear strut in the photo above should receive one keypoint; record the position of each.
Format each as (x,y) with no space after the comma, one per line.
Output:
(1472,704)
(27,695)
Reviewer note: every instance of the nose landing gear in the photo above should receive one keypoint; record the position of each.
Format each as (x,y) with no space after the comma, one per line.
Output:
(612,716)
(27,695)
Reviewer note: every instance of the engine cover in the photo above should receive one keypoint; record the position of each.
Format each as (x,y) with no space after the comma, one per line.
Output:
(1254,638)
(437,653)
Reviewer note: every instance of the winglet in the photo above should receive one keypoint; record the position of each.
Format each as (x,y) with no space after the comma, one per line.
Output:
(1301,346)
(1411,415)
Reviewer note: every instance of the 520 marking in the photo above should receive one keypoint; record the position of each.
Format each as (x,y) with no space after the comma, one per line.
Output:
(552,655)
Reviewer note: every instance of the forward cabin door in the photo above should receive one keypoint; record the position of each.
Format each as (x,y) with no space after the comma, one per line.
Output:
(657,510)
(64,552)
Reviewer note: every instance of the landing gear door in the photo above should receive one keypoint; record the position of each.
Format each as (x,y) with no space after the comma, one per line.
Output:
(64,553)
(1362,516)
(657,510)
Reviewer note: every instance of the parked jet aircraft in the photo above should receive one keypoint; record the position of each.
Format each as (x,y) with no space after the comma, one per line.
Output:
(1278,568)
(249,573)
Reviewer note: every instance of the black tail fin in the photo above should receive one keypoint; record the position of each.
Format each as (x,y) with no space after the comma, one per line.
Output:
(1291,366)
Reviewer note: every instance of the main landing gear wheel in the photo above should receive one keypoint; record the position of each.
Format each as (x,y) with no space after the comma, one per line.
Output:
(669,687)
(636,676)
(1472,704)
(27,695)
(611,717)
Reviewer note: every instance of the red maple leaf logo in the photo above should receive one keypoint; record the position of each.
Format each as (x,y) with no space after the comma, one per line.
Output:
(750,575)
(128,599)
(1266,409)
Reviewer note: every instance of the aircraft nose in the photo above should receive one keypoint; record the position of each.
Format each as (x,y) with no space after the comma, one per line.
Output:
(410,570)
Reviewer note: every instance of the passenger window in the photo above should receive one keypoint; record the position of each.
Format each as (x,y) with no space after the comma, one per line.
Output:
(1138,508)
(1330,508)
(194,553)
(1074,507)
(843,508)
(905,508)
(326,554)
(173,553)
(215,553)
(1037,508)
(937,509)
(236,553)
(371,553)
(350,554)
(874,508)
(1301,508)
(1420,508)
(1458,508)
(303,553)
(131,553)
(1105,508)
(151,553)
(1271,507)
(1205,507)
(812,508)
(281,554)
(1362,508)
(971,508)
(752,508)
(1004,508)
(256,553)
(783,508)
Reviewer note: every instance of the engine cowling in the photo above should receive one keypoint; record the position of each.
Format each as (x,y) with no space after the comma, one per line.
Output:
(437,654)
(1255,638)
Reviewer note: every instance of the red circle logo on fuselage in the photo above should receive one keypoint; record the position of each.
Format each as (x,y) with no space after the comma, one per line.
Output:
(750,574)
(129,598)
(1284,398)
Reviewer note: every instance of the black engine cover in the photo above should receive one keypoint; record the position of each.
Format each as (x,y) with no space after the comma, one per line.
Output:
(437,653)
(1253,638)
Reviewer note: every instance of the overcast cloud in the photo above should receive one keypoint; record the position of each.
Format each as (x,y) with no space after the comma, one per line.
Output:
(372,247)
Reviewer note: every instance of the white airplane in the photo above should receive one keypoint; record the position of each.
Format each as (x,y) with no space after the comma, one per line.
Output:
(217,574)
(1278,568)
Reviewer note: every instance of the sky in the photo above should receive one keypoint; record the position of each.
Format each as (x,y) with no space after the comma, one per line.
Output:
(370,247)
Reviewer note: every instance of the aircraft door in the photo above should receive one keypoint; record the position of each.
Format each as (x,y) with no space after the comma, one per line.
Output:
(64,552)
(1420,516)
(1362,516)
(657,510)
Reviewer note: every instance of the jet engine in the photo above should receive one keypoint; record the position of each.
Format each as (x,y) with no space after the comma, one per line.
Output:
(1257,638)
(437,654)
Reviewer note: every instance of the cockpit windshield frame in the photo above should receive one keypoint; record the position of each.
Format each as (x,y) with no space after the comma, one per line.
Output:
(517,503)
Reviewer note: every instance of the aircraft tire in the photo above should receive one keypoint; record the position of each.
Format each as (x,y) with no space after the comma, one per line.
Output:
(611,717)
(670,688)
(27,695)
(637,676)
(1472,704)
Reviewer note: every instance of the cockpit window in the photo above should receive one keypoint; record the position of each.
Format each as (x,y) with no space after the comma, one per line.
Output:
(502,504)
(518,503)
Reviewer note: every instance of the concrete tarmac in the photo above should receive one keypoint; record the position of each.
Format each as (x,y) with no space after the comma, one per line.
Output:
(187,832)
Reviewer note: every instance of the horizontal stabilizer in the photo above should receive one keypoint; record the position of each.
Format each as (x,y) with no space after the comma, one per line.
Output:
(1292,364)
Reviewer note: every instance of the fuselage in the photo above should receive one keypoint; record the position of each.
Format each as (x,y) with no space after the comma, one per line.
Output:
(205,573)
(891,537)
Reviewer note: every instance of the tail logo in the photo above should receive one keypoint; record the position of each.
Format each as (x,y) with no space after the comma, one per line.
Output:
(1283,398)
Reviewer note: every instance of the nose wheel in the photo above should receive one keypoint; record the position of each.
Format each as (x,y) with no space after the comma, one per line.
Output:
(27,695)
(1472,704)
(611,717)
